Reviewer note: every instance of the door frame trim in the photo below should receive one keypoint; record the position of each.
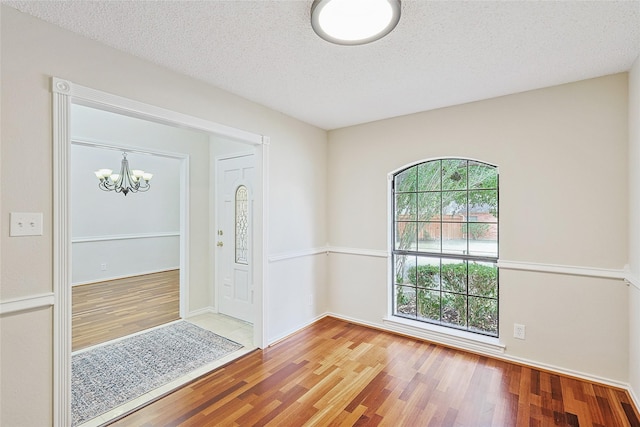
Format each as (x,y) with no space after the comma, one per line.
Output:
(64,94)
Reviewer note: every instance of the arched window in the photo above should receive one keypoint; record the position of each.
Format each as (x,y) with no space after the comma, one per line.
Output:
(445,253)
(242,224)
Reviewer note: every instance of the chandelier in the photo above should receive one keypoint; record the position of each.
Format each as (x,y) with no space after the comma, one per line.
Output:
(124,182)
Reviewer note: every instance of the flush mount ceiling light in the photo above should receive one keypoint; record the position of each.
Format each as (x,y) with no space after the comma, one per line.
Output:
(353,22)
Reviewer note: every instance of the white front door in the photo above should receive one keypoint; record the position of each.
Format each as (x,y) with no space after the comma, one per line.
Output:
(234,201)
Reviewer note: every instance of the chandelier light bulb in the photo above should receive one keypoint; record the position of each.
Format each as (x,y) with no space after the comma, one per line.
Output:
(104,173)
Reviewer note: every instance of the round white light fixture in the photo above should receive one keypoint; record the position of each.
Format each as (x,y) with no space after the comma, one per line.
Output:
(352,22)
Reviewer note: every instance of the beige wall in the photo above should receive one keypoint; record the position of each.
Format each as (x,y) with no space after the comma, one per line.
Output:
(562,157)
(634,227)
(33,51)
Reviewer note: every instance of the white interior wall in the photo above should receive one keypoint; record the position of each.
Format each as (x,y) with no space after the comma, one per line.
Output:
(562,158)
(297,232)
(114,235)
(634,228)
(32,52)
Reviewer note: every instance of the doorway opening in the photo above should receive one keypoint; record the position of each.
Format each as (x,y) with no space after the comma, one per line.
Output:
(197,297)
(125,250)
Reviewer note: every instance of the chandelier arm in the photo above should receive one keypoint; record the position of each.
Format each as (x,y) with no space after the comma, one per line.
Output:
(104,185)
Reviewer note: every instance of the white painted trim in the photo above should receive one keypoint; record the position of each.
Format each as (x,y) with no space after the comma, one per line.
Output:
(606,273)
(389,295)
(562,269)
(261,245)
(117,104)
(198,312)
(450,337)
(634,397)
(30,302)
(298,254)
(118,146)
(292,331)
(430,159)
(632,280)
(61,254)
(356,251)
(125,237)
(282,256)
(124,276)
(563,371)
(185,190)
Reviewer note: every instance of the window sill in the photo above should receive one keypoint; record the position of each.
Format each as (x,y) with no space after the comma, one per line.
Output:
(446,336)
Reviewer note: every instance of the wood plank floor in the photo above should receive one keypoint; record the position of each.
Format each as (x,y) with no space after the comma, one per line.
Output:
(104,311)
(335,373)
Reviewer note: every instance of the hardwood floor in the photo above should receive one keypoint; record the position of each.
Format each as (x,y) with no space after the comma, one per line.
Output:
(104,311)
(335,373)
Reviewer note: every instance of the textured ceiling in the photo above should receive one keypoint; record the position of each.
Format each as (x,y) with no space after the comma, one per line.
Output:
(440,54)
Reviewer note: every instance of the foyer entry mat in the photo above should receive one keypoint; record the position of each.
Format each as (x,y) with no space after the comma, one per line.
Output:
(108,376)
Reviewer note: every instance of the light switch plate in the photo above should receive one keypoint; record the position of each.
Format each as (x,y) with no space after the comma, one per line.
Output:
(26,224)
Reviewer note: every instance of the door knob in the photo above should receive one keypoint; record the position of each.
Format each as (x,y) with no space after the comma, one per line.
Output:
(220,244)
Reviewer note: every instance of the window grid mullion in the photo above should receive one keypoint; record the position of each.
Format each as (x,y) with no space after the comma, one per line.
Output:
(466,218)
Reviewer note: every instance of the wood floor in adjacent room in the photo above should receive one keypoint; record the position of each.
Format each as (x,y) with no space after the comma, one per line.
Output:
(335,373)
(104,311)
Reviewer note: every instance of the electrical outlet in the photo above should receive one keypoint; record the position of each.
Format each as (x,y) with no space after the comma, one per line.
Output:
(103,266)
(311,299)
(518,331)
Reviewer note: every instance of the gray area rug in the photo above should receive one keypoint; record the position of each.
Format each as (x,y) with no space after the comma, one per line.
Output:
(111,375)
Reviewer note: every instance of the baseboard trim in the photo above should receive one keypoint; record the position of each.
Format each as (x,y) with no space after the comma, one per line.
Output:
(634,399)
(31,302)
(200,311)
(565,372)
(278,338)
